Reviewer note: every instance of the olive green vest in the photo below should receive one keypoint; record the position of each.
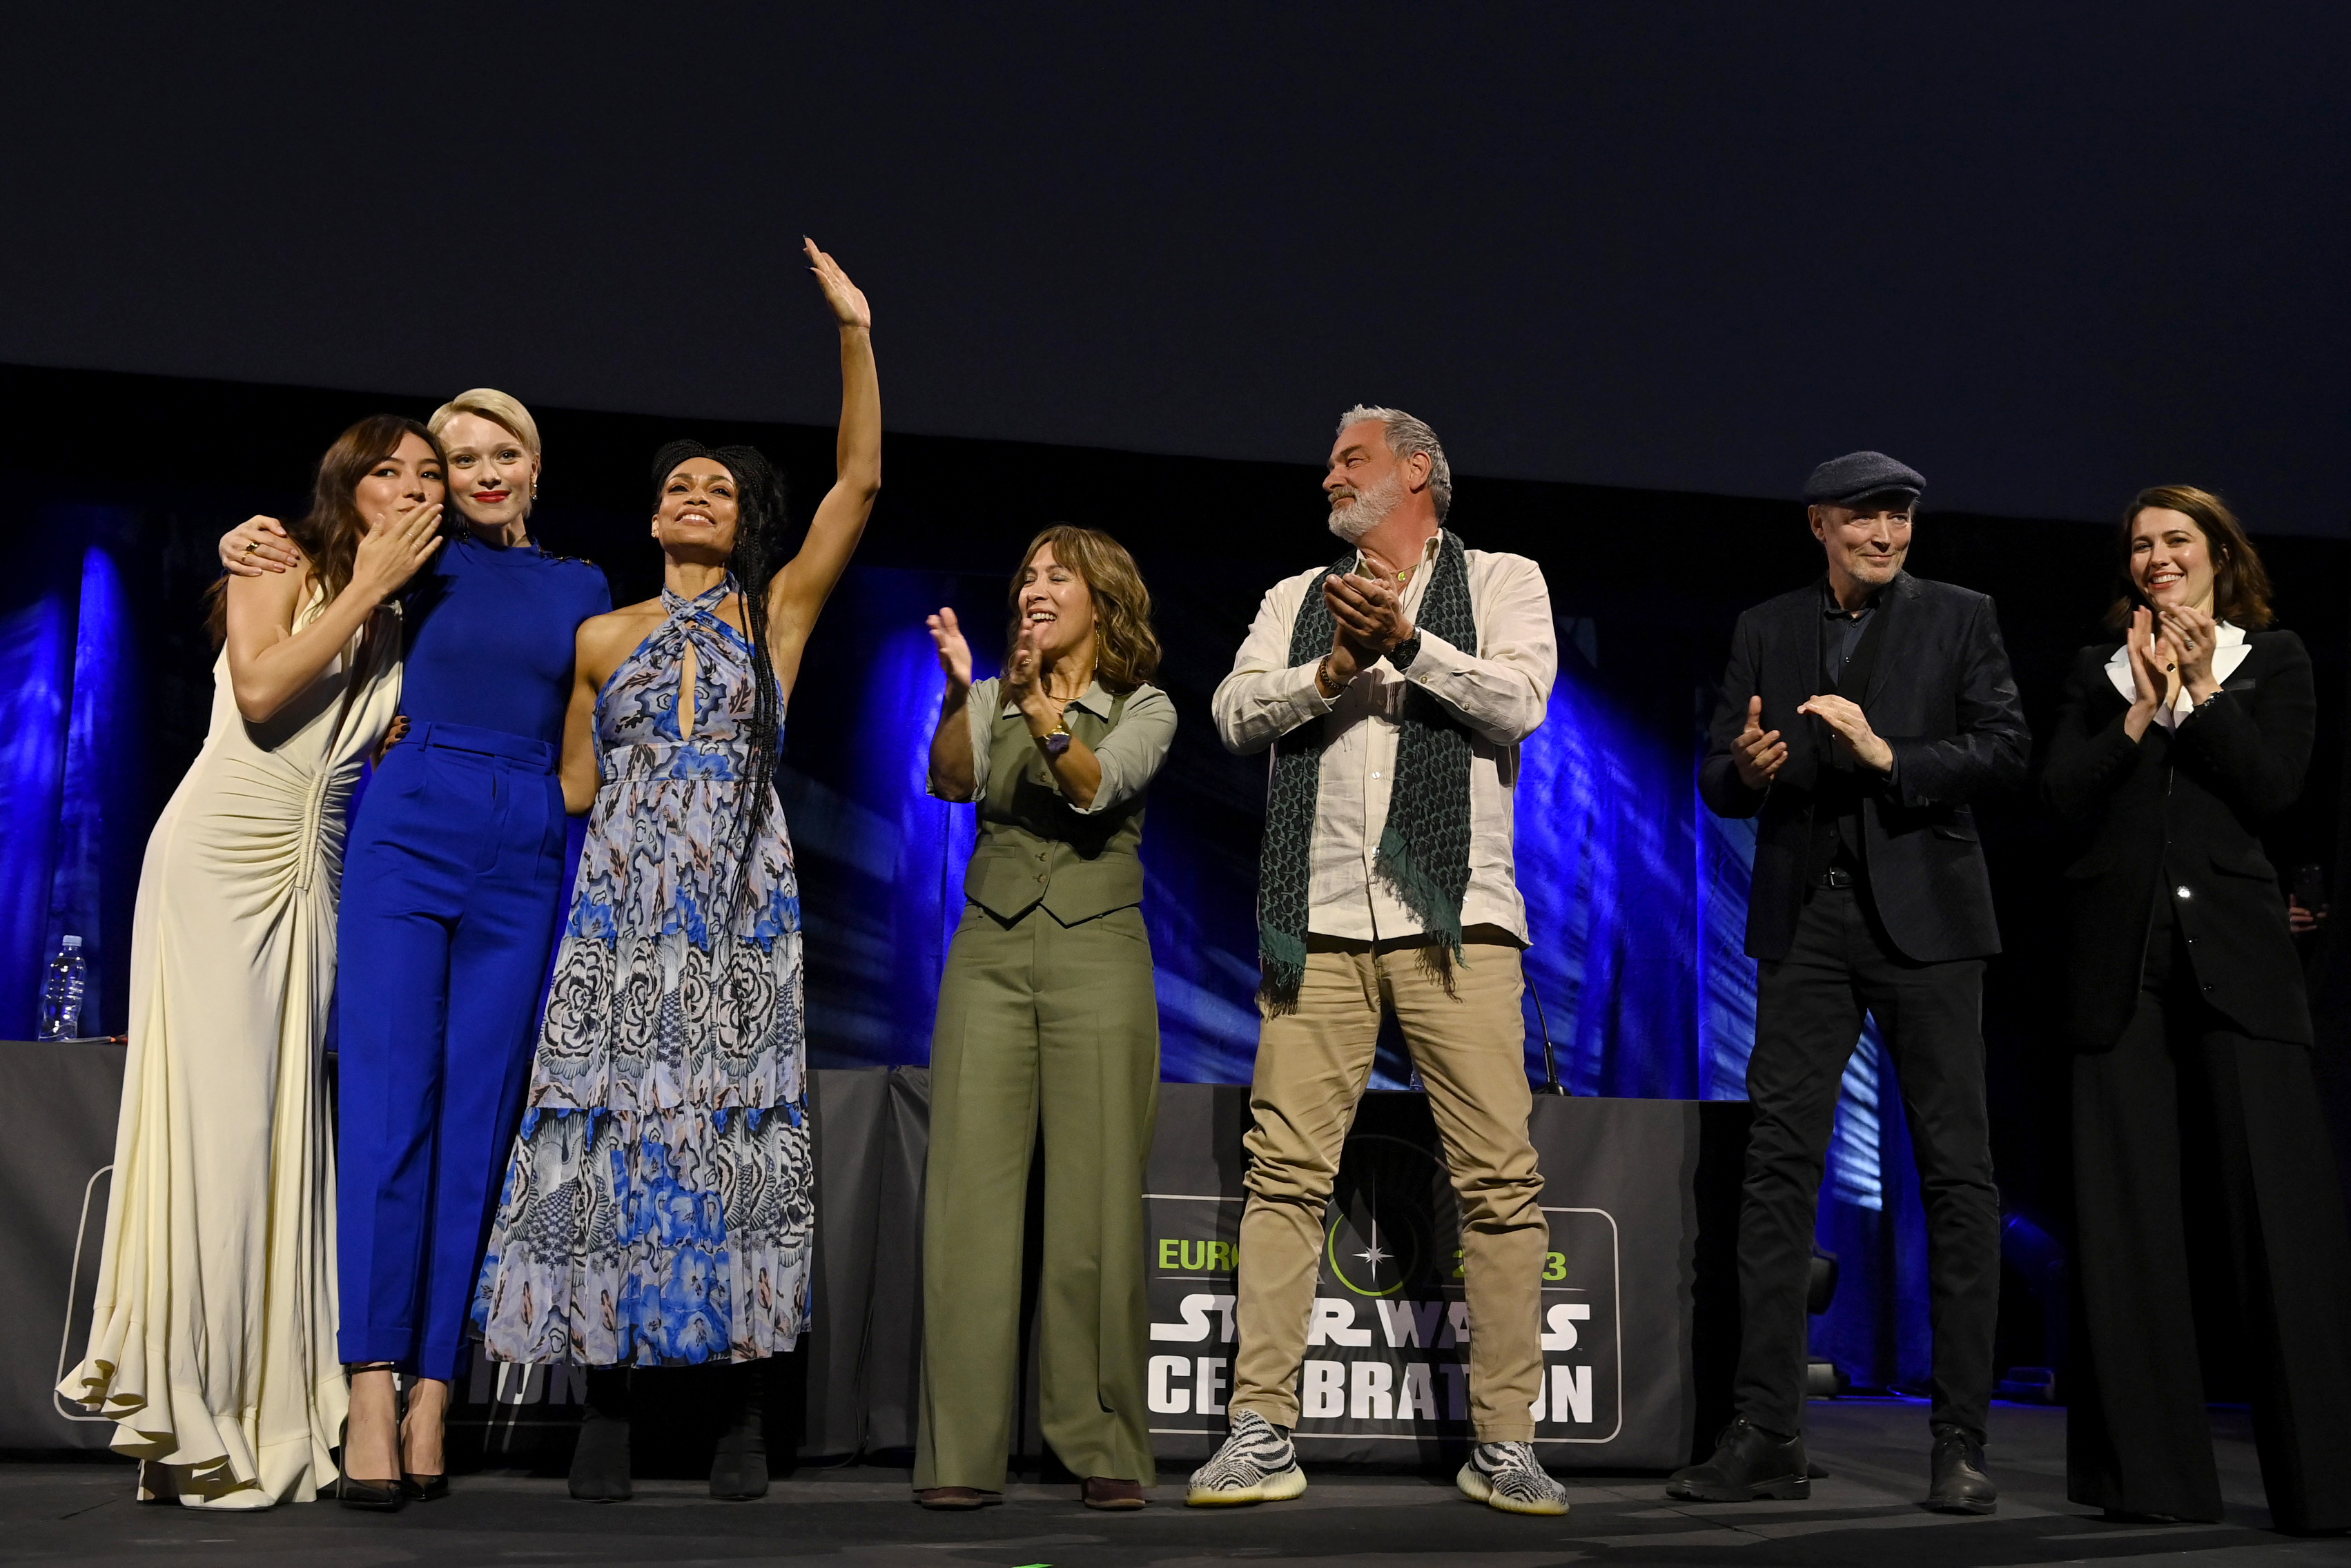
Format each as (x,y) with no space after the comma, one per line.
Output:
(1034,848)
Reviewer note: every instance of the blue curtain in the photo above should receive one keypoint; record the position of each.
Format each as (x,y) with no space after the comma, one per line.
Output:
(1636,893)
(1605,843)
(72,771)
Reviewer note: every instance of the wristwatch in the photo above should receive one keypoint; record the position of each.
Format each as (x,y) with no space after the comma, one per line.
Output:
(1058,740)
(1404,653)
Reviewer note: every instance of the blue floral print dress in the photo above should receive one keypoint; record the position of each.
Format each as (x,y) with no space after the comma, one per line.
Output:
(658,1207)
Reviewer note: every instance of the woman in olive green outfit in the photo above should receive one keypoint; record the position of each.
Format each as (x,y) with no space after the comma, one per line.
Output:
(1046,1019)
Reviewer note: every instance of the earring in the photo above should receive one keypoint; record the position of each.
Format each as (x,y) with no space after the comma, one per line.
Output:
(534,489)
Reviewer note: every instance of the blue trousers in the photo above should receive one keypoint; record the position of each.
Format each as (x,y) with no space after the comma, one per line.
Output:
(450,888)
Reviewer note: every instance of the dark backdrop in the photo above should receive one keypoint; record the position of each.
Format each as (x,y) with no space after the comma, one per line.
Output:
(146,472)
(2047,254)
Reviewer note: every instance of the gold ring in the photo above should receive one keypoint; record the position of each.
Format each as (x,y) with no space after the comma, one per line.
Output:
(252,545)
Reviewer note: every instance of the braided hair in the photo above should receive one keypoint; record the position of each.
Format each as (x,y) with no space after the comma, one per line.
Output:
(761,516)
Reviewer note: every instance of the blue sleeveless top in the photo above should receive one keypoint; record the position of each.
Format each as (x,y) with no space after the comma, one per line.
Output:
(490,636)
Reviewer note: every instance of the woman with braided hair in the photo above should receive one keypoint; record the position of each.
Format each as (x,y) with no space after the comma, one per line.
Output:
(659,1206)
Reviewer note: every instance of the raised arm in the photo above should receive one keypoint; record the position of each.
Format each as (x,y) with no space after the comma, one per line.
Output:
(270,663)
(799,590)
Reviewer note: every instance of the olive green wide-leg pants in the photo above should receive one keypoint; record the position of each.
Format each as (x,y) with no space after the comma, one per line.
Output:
(1042,1027)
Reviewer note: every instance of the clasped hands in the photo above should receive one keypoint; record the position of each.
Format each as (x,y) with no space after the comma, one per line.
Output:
(1759,754)
(2169,643)
(1367,622)
(1024,684)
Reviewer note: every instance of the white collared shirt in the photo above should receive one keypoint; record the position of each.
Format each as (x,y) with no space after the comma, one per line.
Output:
(1500,693)
(2229,650)
(1129,754)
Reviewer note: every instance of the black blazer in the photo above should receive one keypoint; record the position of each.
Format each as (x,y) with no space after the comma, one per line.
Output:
(1941,695)
(2173,815)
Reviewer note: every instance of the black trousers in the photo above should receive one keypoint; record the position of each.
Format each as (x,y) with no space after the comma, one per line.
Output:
(2200,1153)
(1808,1018)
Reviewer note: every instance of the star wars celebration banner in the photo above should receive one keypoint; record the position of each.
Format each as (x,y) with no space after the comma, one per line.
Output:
(1385,1376)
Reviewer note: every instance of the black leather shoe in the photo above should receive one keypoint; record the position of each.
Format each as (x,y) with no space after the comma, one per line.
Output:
(1960,1484)
(374,1496)
(1748,1464)
(424,1488)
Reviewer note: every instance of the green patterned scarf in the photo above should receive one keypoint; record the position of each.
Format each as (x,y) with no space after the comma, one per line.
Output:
(1424,849)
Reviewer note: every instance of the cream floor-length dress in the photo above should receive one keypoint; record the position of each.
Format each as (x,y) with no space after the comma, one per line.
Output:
(212,1343)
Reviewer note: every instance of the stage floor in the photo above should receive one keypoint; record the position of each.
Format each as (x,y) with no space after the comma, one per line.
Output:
(1865,1513)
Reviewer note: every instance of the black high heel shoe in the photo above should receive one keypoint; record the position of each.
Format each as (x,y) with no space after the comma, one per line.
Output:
(371,1495)
(414,1487)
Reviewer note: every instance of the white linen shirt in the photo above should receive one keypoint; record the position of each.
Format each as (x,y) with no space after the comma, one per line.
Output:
(1129,754)
(1500,693)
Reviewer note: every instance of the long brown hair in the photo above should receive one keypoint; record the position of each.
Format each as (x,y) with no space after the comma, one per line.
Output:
(1126,650)
(2240,585)
(329,533)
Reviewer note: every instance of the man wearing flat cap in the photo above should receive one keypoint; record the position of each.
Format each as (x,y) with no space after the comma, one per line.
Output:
(1861,715)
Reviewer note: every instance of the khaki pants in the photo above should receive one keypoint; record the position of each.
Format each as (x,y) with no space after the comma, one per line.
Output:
(1053,1029)
(1311,1066)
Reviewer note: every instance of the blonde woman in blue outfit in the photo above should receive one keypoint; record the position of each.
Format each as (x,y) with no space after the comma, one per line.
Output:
(450,888)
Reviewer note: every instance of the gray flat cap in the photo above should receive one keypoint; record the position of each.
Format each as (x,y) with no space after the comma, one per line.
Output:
(1841,481)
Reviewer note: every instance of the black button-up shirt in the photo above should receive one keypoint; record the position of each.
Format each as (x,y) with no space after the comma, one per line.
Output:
(1836,821)
(1841,635)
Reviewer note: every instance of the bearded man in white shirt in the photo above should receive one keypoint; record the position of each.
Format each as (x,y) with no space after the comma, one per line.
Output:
(1394,688)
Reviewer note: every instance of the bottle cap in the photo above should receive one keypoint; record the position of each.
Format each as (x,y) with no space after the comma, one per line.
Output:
(73,943)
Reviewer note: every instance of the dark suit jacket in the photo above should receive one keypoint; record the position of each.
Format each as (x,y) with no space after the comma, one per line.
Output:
(1940,695)
(2179,810)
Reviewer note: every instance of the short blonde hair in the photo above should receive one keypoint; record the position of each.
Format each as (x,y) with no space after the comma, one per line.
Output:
(491,405)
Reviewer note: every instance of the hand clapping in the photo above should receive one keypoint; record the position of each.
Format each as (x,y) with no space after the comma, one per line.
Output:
(2193,635)
(954,653)
(1367,611)
(1843,716)
(1024,682)
(2152,660)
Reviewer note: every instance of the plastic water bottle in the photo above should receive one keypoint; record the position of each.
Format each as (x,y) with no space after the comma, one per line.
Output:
(61,992)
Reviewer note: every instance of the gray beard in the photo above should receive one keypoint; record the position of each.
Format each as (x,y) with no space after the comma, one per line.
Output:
(1371,508)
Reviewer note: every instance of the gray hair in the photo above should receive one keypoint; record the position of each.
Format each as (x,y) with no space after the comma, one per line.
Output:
(1407,436)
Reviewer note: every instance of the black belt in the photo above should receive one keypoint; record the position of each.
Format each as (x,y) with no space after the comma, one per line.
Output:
(1471,936)
(1838,876)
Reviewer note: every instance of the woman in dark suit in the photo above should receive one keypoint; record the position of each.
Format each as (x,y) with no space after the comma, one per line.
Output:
(2194,1080)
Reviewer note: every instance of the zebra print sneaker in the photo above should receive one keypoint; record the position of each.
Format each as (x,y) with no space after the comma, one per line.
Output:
(1256,1464)
(1508,1476)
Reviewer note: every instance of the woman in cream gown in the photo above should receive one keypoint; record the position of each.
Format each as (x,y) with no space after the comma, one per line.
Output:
(212,1343)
